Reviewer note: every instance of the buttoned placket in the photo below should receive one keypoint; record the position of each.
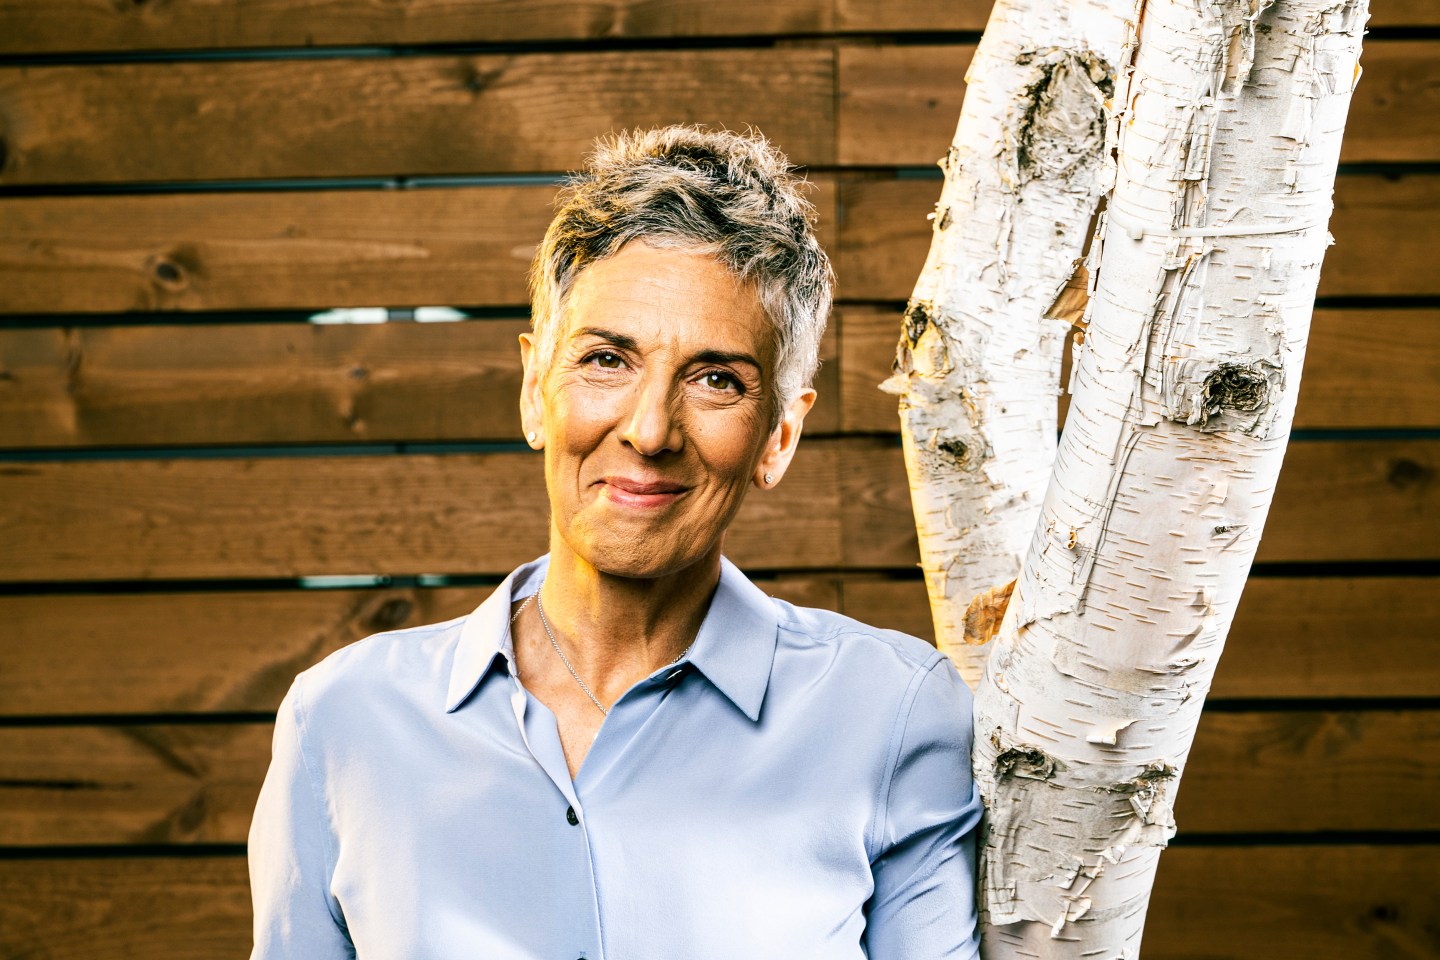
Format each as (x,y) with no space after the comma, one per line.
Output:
(540,732)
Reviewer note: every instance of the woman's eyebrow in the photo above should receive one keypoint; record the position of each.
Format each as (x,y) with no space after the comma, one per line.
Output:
(620,340)
(722,357)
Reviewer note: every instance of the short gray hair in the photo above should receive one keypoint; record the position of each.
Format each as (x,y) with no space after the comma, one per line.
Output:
(730,195)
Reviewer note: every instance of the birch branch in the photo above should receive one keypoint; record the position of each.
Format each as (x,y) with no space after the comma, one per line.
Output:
(1203,277)
(978,366)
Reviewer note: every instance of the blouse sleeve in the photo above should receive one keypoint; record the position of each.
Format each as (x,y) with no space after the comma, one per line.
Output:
(923,906)
(292,855)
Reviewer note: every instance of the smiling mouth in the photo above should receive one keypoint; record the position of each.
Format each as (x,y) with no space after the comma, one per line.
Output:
(630,492)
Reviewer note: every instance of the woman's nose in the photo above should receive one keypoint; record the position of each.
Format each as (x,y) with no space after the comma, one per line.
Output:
(652,425)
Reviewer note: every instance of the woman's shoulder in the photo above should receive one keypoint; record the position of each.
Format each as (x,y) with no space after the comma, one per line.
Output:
(410,659)
(871,674)
(827,628)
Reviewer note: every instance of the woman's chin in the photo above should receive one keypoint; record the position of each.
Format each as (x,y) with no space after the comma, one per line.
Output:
(641,559)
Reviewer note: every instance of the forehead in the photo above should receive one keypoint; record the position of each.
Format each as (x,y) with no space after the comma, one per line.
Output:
(674,295)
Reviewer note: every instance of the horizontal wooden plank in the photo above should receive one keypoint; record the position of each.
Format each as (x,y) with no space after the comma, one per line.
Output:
(170,783)
(1344,902)
(291,249)
(1333,637)
(429,115)
(232,651)
(1385,230)
(236,651)
(331,117)
(1337,902)
(845,503)
(899,104)
(471,247)
(294,516)
(1334,499)
(141,908)
(284,249)
(197,783)
(1309,771)
(301,383)
(1394,382)
(228,651)
(62,26)
(180,385)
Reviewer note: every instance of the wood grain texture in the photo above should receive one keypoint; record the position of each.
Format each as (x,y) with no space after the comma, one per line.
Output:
(227,651)
(1333,637)
(291,249)
(194,652)
(1270,773)
(284,249)
(899,104)
(1334,499)
(156,784)
(208,384)
(471,247)
(1385,230)
(1342,902)
(306,117)
(237,651)
(139,908)
(1394,382)
(59,26)
(296,516)
(844,503)
(1310,771)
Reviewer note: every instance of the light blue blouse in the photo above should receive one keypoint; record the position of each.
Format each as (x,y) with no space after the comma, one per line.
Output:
(797,787)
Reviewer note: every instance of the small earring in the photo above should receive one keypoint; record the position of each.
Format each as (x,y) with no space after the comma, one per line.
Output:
(769,479)
(530,436)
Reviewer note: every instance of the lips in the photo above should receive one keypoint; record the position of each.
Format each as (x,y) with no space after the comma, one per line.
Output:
(638,492)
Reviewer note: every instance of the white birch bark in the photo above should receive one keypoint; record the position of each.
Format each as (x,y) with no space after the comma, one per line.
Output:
(1021,184)
(1203,277)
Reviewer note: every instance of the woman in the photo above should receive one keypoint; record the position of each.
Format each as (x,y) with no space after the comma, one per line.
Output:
(629,751)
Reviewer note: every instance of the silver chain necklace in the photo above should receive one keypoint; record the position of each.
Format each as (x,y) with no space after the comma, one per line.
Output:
(566,660)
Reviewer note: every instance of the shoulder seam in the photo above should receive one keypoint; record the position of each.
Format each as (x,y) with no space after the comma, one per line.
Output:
(332,855)
(897,740)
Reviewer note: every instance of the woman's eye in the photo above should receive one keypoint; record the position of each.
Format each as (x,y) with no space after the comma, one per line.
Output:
(718,380)
(606,360)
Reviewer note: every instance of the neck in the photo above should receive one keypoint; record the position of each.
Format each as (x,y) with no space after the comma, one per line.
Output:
(616,630)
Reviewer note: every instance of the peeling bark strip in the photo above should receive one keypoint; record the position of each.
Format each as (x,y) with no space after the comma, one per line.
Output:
(1022,180)
(1203,272)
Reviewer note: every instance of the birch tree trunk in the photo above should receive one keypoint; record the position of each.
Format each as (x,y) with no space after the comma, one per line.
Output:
(1023,178)
(1203,272)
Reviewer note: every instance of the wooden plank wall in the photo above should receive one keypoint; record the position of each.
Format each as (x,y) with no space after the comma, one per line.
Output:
(203,489)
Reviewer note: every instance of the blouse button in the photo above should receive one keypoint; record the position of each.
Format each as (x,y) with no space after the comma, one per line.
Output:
(570,816)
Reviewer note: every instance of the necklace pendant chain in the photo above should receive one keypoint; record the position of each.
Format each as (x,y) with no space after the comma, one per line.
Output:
(564,659)
(544,622)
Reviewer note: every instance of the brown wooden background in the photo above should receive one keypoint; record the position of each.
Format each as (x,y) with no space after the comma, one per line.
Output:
(202,491)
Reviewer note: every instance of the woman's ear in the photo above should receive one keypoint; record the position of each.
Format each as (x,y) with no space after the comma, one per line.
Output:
(532,405)
(780,448)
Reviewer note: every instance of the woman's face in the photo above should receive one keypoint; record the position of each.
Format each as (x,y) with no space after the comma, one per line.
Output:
(655,411)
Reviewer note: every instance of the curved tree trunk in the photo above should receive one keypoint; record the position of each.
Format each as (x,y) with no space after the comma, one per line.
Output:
(1204,273)
(1023,178)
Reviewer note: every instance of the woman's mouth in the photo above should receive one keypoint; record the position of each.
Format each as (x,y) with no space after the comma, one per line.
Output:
(637,492)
